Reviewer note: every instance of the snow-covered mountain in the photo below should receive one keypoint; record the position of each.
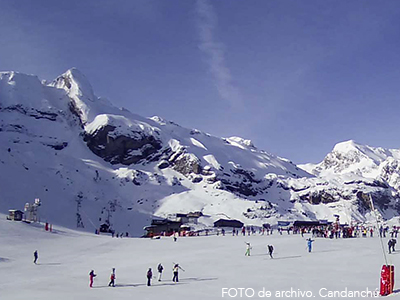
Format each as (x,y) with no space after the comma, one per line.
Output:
(362,167)
(91,162)
(351,158)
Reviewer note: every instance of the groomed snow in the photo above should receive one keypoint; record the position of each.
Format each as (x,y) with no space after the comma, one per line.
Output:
(211,264)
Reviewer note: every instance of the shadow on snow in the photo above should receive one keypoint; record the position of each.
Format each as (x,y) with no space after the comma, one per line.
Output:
(158,283)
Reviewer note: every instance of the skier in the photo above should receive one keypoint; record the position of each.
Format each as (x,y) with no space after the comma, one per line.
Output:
(112,278)
(175,270)
(248,248)
(270,250)
(176,234)
(391,244)
(91,277)
(149,276)
(35,256)
(160,268)
(309,244)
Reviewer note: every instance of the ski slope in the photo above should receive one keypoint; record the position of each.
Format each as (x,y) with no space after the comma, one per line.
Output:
(211,264)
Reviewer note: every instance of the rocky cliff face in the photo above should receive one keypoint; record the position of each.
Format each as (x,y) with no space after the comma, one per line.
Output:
(119,148)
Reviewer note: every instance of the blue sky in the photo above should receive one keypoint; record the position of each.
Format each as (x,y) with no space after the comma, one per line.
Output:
(295,77)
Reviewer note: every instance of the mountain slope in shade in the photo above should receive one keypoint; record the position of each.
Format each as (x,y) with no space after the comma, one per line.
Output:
(91,162)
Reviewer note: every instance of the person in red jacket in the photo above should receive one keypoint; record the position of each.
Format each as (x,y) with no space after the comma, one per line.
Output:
(91,277)
(112,278)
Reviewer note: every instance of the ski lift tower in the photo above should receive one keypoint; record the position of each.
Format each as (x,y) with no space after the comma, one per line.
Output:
(32,210)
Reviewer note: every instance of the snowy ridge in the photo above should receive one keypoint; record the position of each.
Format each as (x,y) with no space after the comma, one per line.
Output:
(91,162)
(123,125)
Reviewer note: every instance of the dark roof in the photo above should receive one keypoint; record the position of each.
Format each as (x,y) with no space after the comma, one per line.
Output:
(196,214)
(228,223)
(310,223)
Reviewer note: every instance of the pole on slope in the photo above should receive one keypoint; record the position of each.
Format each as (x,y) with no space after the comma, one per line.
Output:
(94,226)
(387,272)
(377,224)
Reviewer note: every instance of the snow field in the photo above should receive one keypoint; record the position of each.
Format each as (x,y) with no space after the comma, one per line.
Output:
(211,263)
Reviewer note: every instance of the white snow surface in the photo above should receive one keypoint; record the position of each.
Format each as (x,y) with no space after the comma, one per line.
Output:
(210,263)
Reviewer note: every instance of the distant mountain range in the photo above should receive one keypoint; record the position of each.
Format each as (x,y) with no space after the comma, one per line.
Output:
(90,162)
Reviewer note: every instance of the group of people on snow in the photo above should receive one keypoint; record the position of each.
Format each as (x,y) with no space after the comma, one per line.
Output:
(149,275)
(248,249)
(271,248)
(160,269)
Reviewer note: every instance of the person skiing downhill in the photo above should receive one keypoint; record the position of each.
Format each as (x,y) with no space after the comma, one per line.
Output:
(149,276)
(309,244)
(160,268)
(248,248)
(175,270)
(91,277)
(270,250)
(112,278)
(35,256)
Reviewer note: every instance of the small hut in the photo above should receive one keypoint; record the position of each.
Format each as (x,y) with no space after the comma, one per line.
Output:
(15,215)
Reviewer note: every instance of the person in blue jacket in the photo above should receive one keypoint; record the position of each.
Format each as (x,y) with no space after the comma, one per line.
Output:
(309,244)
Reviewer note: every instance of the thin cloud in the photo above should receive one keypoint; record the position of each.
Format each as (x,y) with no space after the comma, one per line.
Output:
(214,50)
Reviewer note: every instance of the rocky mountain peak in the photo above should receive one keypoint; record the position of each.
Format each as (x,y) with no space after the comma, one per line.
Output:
(76,84)
(80,91)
